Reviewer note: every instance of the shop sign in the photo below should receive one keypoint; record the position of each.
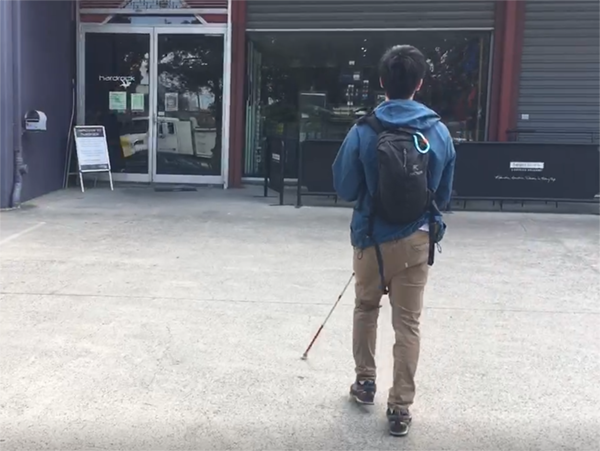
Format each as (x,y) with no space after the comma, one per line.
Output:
(124,80)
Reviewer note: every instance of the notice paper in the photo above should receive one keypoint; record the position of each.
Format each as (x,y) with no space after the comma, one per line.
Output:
(117,101)
(138,102)
(171,101)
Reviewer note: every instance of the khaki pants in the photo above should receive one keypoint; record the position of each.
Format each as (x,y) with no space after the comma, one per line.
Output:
(405,272)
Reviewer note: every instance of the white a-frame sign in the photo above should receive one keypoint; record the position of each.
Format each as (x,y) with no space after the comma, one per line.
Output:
(92,151)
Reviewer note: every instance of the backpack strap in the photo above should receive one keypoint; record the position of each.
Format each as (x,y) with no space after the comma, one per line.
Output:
(433,228)
(383,286)
(376,125)
(408,131)
(372,121)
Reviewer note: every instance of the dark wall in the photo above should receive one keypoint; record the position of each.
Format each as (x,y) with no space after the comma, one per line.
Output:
(48,68)
(6,105)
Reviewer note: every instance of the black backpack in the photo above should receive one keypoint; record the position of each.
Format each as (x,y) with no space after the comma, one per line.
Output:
(402,195)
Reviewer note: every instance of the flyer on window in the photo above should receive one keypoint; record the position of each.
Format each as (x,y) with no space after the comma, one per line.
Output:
(117,101)
(171,101)
(138,102)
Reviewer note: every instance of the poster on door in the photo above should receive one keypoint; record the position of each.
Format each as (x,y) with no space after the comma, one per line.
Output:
(138,102)
(117,101)
(171,101)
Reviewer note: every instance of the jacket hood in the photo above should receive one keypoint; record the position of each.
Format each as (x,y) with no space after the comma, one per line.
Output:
(406,113)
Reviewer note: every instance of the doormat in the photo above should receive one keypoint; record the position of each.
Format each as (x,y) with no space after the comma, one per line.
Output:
(176,188)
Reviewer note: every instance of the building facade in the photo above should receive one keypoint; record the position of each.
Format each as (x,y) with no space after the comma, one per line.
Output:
(37,54)
(192,91)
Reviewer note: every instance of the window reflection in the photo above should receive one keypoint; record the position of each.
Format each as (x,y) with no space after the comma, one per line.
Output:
(189,108)
(190,104)
(342,69)
(117,96)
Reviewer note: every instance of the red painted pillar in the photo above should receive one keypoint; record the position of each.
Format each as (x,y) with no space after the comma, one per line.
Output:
(497,54)
(510,24)
(517,58)
(238,74)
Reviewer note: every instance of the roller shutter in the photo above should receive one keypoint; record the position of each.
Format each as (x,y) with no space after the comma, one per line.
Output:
(351,14)
(560,73)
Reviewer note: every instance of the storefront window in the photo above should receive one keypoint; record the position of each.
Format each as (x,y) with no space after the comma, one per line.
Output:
(338,71)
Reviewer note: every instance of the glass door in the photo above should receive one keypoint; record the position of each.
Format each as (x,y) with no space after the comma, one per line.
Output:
(188,121)
(117,94)
(160,92)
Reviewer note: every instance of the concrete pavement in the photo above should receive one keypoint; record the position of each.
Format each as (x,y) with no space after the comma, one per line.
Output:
(138,320)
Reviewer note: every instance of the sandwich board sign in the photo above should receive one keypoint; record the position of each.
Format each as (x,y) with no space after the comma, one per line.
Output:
(92,151)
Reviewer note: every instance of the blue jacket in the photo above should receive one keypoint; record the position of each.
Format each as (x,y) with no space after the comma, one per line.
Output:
(355,173)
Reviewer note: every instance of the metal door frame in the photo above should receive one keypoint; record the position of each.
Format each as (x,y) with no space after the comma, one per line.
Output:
(153,32)
(120,29)
(191,179)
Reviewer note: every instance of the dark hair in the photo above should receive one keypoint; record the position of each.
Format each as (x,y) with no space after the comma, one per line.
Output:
(401,69)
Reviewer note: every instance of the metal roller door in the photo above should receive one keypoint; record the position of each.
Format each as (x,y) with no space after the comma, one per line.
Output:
(353,14)
(560,72)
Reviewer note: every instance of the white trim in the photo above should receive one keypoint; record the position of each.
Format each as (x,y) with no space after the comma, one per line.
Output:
(116,28)
(226,100)
(14,236)
(312,30)
(153,12)
(153,105)
(149,29)
(205,25)
(216,29)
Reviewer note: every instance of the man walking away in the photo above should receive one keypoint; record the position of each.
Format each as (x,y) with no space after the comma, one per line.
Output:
(397,165)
